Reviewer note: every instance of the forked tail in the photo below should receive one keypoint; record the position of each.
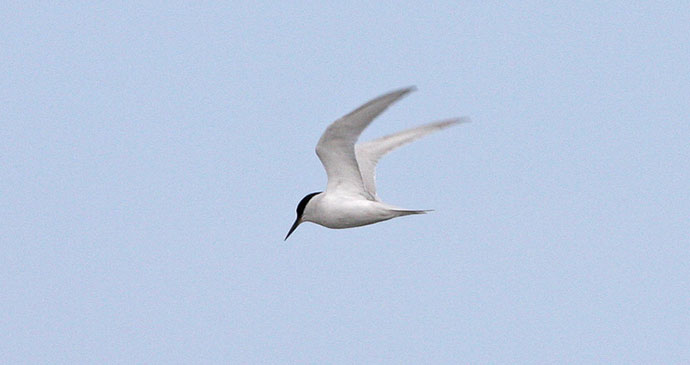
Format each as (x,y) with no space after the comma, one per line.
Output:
(404,212)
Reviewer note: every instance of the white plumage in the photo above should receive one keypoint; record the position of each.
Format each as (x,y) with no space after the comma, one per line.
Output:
(350,199)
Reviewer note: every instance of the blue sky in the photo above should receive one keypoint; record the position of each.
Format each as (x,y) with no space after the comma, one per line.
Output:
(153,154)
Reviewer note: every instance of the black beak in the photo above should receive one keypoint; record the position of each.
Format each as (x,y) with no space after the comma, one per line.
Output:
(294,226)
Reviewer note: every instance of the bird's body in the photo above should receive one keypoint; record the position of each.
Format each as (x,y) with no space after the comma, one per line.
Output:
(350,199)
(336,211)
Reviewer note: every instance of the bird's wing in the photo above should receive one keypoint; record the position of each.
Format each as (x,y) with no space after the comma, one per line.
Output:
(369,153)
(336,148)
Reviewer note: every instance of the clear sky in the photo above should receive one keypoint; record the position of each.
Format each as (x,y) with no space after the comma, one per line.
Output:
(153,153)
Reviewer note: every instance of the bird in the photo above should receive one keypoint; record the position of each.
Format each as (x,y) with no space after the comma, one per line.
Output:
(350,199)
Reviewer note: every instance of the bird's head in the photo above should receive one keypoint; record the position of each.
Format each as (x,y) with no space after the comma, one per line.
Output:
(300,212)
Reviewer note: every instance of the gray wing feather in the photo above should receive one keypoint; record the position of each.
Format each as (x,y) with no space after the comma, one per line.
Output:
(369,153)
(336,147)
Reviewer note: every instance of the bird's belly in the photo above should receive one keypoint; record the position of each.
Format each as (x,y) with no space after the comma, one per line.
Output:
(347,214)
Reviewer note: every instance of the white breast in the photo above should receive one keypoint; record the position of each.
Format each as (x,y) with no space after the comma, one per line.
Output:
(345,212)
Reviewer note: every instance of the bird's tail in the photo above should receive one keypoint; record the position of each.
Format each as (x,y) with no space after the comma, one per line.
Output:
(404,212)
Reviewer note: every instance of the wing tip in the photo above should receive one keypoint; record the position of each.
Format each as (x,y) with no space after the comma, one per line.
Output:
(445,123)
(403,91)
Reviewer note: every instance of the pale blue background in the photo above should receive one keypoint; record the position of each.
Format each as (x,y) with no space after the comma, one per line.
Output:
(152,155)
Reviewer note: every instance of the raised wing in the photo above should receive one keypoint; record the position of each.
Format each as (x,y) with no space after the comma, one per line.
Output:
(336,148)
(369,153)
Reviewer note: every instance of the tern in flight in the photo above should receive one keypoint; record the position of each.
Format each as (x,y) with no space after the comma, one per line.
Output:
(350,199)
